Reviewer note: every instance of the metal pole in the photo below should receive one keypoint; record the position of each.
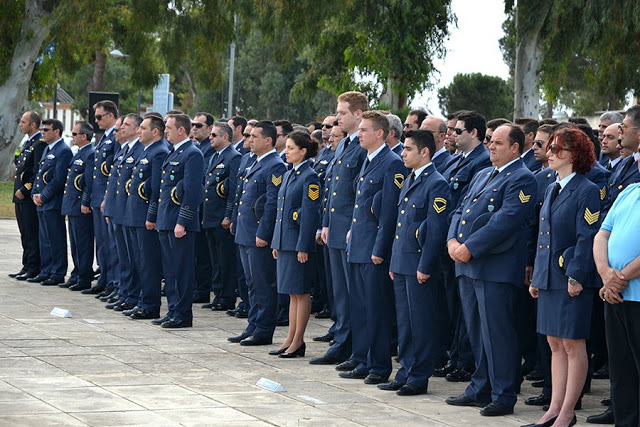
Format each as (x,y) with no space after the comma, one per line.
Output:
(232,59)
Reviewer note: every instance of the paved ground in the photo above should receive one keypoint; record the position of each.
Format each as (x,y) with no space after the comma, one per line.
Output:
(72,371)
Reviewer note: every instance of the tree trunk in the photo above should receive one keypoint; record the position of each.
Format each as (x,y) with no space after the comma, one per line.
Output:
(192,86)
(97,82)
(393,98)
(14,92)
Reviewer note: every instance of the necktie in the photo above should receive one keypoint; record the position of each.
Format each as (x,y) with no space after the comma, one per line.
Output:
(126,151)
(214,159)
(556,191)
(366,163)
(346,142)
(412,178)
(45,152)
(609,165)
(493,175)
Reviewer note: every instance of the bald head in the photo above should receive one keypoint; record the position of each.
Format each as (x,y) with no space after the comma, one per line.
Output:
(610,137)
(438,129)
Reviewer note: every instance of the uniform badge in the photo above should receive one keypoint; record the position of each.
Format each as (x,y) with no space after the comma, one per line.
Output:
(51,156)
(314,192)
(398,180)
(144,161)
(104,168)
(174,163)
(603,192)
(78,162)
(455,185)
(490,208)
(591,218)
(171,177)
(129,160)
(217,179)
(220,166)
(524,198)
(141,175)
(295,215)
(107,142)
(323,162)
(276,180)
(561,261)
(439,204)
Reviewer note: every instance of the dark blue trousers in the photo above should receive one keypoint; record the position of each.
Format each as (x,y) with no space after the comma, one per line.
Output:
(460,353)
(489,310)
(243,290)
(27,218)
(52,234)
(342,347)
(134,248)
(223,251)
(260,272)
(178,262)
(103,255)
(114,278)
(248,280)
(125,257)
(204,266)
(370,300)
(81,241)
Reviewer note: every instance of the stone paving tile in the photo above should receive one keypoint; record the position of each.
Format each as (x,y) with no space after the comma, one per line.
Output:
(164,397)
(126,418)
(40,420)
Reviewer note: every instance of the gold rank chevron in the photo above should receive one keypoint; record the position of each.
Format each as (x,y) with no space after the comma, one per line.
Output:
(591,218)
(314,192)
(439,204)
(398,180)
(276,180)
(524,198)
(603,192)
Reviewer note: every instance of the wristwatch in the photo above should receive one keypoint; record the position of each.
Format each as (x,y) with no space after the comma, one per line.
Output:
(573,282)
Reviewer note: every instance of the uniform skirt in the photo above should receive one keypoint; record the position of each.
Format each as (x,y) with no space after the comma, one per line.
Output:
(294,277)
(563,316)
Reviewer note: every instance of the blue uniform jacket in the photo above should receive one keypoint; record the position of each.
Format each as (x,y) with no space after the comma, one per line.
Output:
(112,183)
(247,160)
(460,172)
(423,221)
(565,238)
(441,161)
(599,175)
(398,149)
(80,168)
(27,165)
(322,163)
(531,163)
(123,181)
(625,173)
(508,201)
(144,186)
(239,147)
(375,210)
(341,193)
(52,175)
(97,183)
(181,189)
(256,215)
(298,211)
(220,188)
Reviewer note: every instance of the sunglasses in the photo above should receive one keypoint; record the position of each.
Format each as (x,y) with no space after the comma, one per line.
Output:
(197,125)
(45,129)
(406,125)
(100,116)
(622,127)
(246,135)
(458,131)
(538,144)
(486,138)
(213,134)
(555,149)
(327,126)
(82,133)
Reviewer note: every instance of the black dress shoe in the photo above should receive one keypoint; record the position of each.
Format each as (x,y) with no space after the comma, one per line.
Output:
(208,305)
(113,298)
(375,379)
(19,273)
(199,299)
(177,323)
(109,297)
(324,338)
(144,314)
(123,306)
(161,320)
(26,276)
(113,305)
(242,336)
(229,312)
(353,375)
(106,292)
(496,409)
(282,322)
(324,314)
(602,373)
(446,369)
(299,352)
(464,400)
(325,360)
(222,307)
(39,278)
(51,282)
(534,375)
(80,287)
(458,375)
(278,352)
(605,418)
(253,340)
(347,365)
(390,386)
(540,400)
(242,314)
(410,390)
(67,284)
(94,290)
(133,310)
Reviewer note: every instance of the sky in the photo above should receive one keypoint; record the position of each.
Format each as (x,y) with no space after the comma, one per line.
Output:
(471,48)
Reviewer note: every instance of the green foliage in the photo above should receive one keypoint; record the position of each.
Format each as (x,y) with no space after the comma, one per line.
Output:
(490,96)
(11,15)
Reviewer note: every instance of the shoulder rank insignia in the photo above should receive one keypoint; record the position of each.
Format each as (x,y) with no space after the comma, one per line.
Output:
(314,192)
(523,198)
(276,180)
(591,218)
(398,180)
(603,192)
(439,204)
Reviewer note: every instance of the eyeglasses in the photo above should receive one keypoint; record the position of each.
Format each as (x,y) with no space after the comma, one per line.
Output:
(46,129)
(197,125)
(458,131)
(539,144)
(246,135)
(213,134)
(487,138)
(327,126)
(100,116)
(82,133)
(622,127)
(555,149)
(406,125)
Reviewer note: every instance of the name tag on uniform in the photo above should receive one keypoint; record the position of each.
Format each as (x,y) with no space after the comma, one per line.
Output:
(174,163)
(129,160)
(78,162)
(107,142)
(220,166)
(323,162)
(51,156)
(144,161)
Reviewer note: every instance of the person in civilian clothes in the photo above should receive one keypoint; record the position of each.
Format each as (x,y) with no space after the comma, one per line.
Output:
(47,195)
(255,222)
(369,243)
(564,269)
(415,265)
(487,240)
(297,219)
(181,194)
(80,225)
(337,220)
(27,163)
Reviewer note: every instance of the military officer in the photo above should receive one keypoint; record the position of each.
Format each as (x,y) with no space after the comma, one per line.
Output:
(27,164)
(254,230)
(240,134)
(487,240)
(438,129)
(106,113)
(369,251)
(47,194)
(80,225)
(395,134)
(337,220)
(415,265)
(181,194)
(220,185)
(140,216)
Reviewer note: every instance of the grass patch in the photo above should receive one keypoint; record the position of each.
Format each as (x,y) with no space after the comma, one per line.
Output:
(7,210)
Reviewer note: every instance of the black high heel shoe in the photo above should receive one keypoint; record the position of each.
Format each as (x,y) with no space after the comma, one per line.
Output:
(298,353)
(278,351)
(547,423)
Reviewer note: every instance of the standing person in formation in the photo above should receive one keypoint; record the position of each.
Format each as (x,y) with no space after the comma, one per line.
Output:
(563,276)
(297,219)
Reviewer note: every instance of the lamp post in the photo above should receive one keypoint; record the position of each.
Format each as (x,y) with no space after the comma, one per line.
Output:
(116,53)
